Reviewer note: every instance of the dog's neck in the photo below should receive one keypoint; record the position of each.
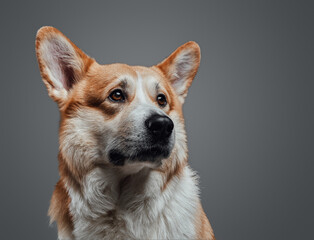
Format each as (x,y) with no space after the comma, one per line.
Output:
(111,195)
(119,184)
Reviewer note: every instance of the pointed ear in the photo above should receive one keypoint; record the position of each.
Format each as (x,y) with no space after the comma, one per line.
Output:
(61,63)
(181,66)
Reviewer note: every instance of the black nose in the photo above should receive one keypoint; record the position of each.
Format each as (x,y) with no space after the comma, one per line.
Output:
(159,126)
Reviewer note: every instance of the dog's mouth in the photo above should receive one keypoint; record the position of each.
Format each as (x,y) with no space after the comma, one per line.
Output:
(152,154)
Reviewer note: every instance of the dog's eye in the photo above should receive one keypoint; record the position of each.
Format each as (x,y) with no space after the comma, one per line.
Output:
(117,96)
(162,100)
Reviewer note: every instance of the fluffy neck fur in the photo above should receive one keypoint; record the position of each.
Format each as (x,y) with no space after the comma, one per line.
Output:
(110,204)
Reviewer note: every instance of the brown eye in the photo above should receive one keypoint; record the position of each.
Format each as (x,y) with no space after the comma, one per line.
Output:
(161,99)
(117,96)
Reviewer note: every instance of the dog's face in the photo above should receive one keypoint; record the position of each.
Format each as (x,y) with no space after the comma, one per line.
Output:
(122,113)
(125,116)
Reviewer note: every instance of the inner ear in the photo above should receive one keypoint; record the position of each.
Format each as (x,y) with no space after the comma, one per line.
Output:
(181,67)
(62,64)
(68,76)
(61,61)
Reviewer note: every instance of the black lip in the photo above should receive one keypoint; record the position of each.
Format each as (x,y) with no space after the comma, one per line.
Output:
(152,154)
(116,158)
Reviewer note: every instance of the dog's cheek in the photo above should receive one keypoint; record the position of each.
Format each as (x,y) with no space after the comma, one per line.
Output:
(180,139)
(82,139)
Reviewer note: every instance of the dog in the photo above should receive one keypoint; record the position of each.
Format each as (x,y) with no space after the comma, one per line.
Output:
(123,160)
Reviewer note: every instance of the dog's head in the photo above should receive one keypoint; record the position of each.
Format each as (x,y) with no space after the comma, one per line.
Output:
(116,114)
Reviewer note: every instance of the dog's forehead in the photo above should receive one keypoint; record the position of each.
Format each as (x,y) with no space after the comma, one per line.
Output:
(143,77)
(131,74)
(147,74)
(147,79)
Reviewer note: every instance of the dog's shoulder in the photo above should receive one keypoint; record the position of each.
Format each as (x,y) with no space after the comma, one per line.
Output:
(59,211)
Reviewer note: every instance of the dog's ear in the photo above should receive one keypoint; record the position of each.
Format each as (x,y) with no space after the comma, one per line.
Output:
(61,63)
(181,66)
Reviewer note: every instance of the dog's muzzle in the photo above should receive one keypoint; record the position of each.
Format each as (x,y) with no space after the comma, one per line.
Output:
(155,146)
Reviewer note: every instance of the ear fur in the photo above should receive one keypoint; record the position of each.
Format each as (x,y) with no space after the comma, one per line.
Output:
(61,63)
(181,67)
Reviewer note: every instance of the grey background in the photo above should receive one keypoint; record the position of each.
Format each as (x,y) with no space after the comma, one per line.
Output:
(249,113)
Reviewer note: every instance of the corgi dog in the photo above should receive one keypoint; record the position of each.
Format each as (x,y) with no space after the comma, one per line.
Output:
(123,161)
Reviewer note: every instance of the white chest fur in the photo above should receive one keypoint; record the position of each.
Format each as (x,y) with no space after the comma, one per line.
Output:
(138,210)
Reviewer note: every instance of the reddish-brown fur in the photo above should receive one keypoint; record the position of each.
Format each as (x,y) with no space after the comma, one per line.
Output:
(59,208)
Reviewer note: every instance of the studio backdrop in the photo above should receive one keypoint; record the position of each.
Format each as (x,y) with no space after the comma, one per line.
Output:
(249,114)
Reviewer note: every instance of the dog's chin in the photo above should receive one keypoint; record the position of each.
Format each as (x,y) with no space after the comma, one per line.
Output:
(143,157)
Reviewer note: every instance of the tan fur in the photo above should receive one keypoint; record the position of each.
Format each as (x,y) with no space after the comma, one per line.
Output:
(59,208)
(93,83)
(205,230)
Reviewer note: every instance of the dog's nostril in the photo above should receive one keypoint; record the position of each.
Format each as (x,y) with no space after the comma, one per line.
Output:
(159,126)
